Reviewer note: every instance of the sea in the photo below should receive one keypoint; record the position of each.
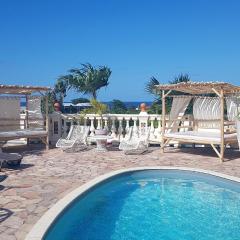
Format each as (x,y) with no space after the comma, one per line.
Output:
(129,104)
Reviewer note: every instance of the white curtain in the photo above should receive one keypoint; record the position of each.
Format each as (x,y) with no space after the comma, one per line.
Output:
(232,107)
(179,106)
(9,113)
(207,108)
(34,112)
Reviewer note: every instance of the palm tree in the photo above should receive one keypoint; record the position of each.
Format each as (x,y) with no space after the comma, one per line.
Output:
(151,88)
(181,78)
(151,84)
(88,79)
(60,89)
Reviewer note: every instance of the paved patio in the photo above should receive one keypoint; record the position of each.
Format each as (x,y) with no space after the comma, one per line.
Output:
(46,176)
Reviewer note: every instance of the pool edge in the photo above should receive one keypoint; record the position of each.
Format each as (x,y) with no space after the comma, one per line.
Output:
(42,225)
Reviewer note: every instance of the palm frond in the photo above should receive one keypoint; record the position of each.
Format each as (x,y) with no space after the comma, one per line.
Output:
(150,86)
(181,78)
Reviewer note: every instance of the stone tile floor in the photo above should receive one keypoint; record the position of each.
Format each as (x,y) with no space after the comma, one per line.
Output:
(46,176)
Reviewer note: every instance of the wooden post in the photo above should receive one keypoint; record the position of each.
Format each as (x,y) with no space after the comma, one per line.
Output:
(222,126)
(27,118)
(163,120)
(47,122)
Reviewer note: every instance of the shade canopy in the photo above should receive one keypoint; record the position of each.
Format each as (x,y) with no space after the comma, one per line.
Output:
(200,87)
(16,89)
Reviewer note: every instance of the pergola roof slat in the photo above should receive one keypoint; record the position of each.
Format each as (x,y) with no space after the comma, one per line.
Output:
(17,89)
(200,87)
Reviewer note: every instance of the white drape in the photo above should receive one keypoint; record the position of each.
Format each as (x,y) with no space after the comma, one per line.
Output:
(207,108)
(179,106)
(9,113)
(34,112)
(232,107)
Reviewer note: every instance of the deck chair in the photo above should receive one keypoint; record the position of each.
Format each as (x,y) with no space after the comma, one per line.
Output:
(76,140)
(136,143)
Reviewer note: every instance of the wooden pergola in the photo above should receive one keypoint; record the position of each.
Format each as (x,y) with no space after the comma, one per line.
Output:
(221,89)
(22,90)
(26,91)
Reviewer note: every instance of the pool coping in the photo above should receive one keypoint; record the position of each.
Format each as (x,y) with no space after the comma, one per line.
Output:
(43,224)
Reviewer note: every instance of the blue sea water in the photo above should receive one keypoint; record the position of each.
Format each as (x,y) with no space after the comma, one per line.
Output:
(127,104)
(154,205)
(131,105)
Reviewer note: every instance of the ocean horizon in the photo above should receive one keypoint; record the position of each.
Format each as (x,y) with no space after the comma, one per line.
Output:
(128,104)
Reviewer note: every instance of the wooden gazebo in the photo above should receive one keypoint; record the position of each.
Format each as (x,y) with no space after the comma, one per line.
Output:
(26,92)
(221,90)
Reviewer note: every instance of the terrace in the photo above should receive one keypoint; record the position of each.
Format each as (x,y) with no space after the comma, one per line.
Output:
(44,177)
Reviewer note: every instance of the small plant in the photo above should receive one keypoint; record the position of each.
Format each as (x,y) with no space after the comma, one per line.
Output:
(96,108)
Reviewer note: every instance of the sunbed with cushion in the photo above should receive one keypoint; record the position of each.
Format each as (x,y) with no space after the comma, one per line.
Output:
(10,121)
(201,137)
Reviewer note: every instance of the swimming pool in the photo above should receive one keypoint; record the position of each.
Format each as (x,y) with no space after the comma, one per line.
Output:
(153,204)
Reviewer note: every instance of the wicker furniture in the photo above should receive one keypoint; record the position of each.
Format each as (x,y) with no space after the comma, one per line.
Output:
(76,140)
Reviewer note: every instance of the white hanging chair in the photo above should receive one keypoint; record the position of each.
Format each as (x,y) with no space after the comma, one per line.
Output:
(136,143)
(76,139)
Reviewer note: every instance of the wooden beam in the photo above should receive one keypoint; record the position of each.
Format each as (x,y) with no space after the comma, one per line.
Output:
(26,117)
(216,151)
(47,122)
(16,89)
(166,142)
(222,148)
(215,91)
(163,120)
(167,93)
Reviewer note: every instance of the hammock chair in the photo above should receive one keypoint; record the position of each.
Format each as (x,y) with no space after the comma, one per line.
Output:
(136,143)
(76,140)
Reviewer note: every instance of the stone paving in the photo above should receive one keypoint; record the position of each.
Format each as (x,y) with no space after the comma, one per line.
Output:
(45,177)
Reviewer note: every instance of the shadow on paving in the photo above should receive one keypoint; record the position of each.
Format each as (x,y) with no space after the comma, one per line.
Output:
(20,167)
(230,154)
(36,149)
(4,214)
(3,177)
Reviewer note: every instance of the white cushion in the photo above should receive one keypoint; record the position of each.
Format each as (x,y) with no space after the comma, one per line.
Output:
(201,136)
(23,133)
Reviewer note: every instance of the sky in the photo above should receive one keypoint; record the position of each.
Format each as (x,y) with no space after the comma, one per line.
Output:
(41,40)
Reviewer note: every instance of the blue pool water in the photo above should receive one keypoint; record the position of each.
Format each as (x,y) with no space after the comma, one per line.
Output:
(154,205)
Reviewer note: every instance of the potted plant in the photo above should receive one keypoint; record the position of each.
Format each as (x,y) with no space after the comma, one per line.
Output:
(99,109)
